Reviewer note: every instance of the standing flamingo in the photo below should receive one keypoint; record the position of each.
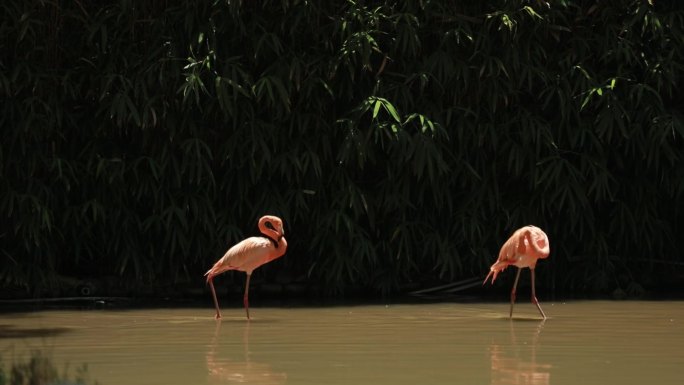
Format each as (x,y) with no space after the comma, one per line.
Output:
(250,254)
(522,249)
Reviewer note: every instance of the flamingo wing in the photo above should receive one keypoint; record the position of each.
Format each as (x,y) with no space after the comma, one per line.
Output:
(245,256)
(509,254)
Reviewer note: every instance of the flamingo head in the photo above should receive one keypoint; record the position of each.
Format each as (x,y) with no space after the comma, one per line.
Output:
(274,224)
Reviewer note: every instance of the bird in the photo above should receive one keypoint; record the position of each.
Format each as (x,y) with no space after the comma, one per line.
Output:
(249,254)
(522,249)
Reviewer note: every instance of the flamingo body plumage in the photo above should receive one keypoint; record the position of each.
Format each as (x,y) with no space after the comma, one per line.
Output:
(249,254)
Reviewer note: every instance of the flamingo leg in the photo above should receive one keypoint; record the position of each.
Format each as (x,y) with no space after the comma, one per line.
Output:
(515,285)
(213,293)
(534,296)
(245,299)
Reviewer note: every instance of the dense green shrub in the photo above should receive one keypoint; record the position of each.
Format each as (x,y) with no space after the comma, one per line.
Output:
(400,141)
(39,369)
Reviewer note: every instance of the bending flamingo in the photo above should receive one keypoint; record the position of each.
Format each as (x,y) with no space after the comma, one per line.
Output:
(522,249)
(250,254)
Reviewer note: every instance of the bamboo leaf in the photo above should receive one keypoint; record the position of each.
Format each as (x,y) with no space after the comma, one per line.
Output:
(393,112)
(376,109)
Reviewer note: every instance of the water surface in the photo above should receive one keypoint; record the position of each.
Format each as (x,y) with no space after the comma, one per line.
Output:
(582,342)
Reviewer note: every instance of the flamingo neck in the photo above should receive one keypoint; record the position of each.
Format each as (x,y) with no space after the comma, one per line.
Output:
(280,244)
(542,252)
(273,241)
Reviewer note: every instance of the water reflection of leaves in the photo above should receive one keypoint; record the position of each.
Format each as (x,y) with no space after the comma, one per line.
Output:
(517,362)
(223,370)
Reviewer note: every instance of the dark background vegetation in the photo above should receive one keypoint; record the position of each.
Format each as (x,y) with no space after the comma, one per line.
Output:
(400,141)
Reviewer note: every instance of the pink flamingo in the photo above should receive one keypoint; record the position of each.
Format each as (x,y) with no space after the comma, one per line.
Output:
(522,249)
(250,254)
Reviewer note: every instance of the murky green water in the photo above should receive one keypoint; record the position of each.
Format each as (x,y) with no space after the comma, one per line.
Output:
(584,342)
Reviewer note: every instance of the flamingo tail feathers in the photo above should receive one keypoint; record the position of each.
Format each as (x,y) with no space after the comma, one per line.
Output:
(492,273)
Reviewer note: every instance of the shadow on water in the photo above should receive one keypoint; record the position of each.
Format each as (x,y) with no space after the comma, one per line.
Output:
(237,367)
(11,331)
(514,358)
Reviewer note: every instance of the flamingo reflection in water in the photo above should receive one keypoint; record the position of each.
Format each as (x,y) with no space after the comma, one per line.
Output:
(516,363)
(227,371)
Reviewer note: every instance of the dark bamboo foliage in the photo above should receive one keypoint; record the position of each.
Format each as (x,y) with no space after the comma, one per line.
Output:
(400,141)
